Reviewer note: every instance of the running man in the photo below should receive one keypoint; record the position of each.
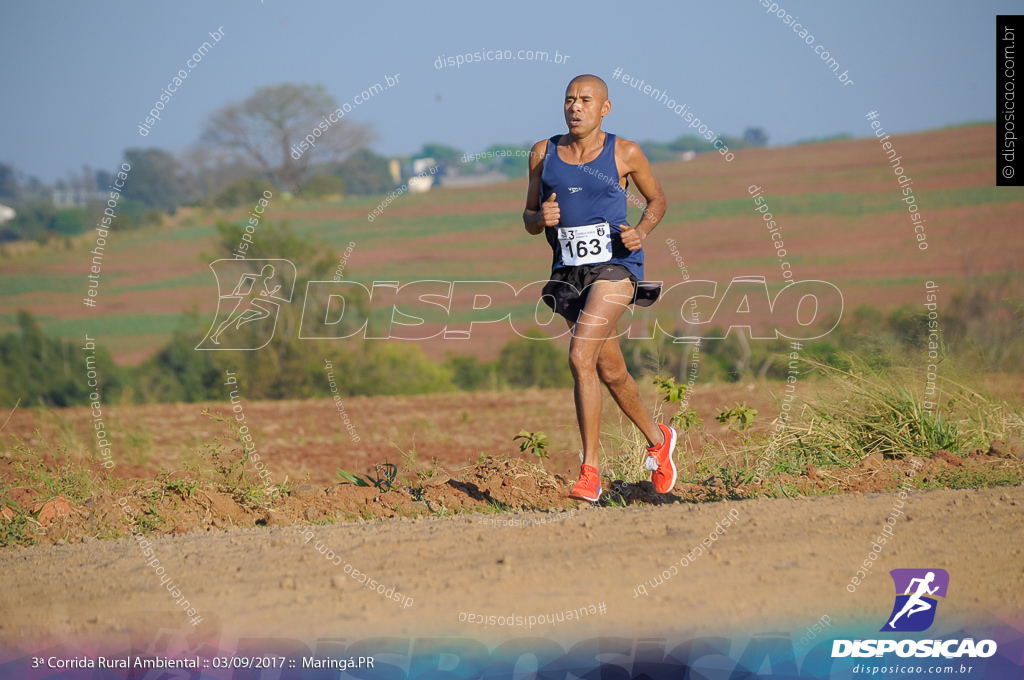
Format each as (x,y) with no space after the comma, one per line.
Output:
(249,308)
(577,197)
(914,603)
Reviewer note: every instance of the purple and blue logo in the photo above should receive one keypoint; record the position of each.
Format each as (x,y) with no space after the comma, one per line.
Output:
(916,590)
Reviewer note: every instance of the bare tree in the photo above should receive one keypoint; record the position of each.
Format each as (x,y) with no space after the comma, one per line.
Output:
(212,168)
(270,127)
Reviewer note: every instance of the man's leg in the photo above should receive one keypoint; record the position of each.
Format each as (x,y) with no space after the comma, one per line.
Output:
(591,363)
(611,368)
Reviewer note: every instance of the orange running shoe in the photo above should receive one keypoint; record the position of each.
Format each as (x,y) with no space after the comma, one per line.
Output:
(659,461)
(588,488)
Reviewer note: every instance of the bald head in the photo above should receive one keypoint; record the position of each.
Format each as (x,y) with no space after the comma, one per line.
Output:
(586,105)
(600,87)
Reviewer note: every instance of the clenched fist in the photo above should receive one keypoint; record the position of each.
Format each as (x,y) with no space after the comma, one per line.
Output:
(550,214)
(631,237)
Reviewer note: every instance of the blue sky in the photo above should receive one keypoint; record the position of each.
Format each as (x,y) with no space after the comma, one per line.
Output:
(78,77)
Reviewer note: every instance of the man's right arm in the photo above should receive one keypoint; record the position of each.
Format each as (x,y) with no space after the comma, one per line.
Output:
(538,215)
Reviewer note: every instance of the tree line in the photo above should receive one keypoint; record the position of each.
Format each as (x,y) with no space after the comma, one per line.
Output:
(253,145)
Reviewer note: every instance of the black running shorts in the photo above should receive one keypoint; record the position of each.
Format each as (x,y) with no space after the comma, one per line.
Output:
(566,293)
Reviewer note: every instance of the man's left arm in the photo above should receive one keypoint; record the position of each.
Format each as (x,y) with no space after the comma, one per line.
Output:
(639,170)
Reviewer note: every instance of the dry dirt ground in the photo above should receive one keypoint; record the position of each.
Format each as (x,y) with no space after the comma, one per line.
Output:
(781,564)
(458,543)
(306,437)
(305,440)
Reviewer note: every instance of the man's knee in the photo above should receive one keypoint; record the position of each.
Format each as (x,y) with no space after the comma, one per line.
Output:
(581,359)
(612,373)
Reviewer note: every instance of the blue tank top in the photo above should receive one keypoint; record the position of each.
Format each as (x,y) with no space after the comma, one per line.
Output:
(597,198)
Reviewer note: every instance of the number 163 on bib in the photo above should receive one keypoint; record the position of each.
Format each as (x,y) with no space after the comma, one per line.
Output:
(585,245)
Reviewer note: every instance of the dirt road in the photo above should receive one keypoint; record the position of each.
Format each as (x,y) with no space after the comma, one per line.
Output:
(778,565)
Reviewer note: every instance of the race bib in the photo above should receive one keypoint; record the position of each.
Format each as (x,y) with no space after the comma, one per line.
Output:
(585,245)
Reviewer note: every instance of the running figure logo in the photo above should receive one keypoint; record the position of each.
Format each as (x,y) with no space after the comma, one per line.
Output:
(914,610)
(252,306)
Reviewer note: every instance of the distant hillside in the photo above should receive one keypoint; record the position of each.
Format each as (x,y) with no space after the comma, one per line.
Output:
(837,205)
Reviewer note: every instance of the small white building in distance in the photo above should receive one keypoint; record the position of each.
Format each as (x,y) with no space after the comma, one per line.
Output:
(423,179)
(6,213)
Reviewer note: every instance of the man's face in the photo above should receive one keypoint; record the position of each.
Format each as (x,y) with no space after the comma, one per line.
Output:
(586,104)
